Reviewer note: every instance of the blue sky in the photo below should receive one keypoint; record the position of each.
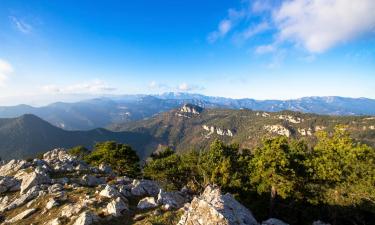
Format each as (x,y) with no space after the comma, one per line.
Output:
(70,50)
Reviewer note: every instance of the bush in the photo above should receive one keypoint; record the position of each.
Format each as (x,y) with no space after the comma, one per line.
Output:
(122,158)
(80,151)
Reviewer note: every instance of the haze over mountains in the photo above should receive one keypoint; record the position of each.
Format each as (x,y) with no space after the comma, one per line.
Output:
(102,112)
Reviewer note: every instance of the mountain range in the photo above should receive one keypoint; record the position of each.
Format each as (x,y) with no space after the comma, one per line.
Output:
(28,135)
(183,128)
(102,112)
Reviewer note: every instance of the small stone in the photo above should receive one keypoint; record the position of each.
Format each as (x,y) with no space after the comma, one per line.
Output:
(147,203)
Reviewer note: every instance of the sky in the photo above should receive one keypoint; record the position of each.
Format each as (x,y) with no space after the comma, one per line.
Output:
(68,50)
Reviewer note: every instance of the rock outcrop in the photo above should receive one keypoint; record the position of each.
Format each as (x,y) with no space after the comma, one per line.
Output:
(214,208)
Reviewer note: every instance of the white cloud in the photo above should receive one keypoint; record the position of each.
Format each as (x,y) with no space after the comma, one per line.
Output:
(93,87)
(185,87)
(318,25)
(5,70)
(21,25)
(226,25)
(262,49)
(315,25)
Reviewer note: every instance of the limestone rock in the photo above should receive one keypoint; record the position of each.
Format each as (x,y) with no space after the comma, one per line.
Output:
(33,179)
(274,221)
(171,199)
(12,166)
(22,215)
(105,169)
(22,199)
(86,218)
(71,210)
(145,187)
(213,208)
(8,183)
(51,203)
(91,181)
(109,192)
(147,203)
(116,207)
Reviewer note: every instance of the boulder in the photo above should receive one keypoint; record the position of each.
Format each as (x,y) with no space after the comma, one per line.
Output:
(116,207)
(8,183)
(174,200)
(58,154)
(12,167)
(51,203)
(110,192)
(55,188)
(147,203)
(125,190)
(22,215)
(70,210)
(22,199)
(145,187)
(86,218)
(33,179)
(91,181)
(214,208)
(274,221)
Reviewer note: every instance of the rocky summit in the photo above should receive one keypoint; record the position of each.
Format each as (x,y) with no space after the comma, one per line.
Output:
(61,189)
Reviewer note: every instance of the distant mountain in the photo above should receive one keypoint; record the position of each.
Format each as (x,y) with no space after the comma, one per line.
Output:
(28,135)
(101,112)
(183,130)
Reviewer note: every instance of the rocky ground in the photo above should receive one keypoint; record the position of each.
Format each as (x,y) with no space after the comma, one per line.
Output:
(60,189)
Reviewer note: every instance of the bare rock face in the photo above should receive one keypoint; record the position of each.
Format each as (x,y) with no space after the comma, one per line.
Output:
(8,183)
(190,108)
(116,207)
(145,187)
(12,166)
(214,208)
(147,203)
(33,179)
(171,200)
(21,216)
(110,192)
(86,218)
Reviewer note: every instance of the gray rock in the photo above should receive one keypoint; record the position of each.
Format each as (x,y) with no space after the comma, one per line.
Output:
(213,208)
(172,200)
(91,181)
(105,169)
(32,179)
(116,207)
(86,218)
(147,203)
(13,166)
(55,188)
(51,203)
(22,215)
(274,221)
(63,181)
(145,187)
(8,183)
(23,199)
(110,192)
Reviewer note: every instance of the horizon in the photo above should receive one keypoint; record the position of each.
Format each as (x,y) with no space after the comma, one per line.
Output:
(281,50)
(114,97)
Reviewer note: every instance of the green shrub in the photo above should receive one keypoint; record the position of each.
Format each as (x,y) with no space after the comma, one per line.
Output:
(122,158)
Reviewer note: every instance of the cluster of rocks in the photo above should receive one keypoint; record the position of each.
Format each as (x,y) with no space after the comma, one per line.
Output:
(219,131)
(61,189)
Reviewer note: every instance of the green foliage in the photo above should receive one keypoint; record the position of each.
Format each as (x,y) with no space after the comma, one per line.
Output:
(80,151)
(225,166)
(171,170)
(341,171)
(122,158)
(163,154)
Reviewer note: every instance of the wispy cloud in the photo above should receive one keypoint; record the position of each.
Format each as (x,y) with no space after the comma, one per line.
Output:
(5,70)
(92,87)
(183,87)
(314,25)
(226,25)
(21,25)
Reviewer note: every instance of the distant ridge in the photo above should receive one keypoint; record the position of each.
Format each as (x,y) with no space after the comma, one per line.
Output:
(101,112)
(28,135)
